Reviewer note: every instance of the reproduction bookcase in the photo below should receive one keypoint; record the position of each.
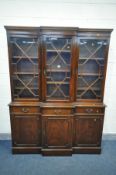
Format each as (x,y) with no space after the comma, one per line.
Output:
(57,79)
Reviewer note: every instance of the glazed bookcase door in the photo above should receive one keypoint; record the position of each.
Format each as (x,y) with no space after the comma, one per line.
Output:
(25,67)
(91,68)
(57,69)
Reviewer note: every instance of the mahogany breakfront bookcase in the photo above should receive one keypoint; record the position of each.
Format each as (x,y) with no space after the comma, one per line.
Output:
(57,84)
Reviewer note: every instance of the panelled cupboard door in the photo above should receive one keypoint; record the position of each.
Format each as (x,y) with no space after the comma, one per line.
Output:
(88,130)
(58,63)
(57,132)
(26,130)
(25,67)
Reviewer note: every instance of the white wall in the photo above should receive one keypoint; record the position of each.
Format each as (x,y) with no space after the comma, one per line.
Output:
(79,13)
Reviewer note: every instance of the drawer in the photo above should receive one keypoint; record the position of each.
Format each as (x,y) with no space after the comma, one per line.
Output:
(25,109)
(90,110)
(56,111)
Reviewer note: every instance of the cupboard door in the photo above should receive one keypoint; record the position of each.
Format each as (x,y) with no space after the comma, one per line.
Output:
(57,67)
(57,132)
(88,131)
(26,130)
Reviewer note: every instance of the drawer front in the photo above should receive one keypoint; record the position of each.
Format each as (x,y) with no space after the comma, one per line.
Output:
(89,110)
(25,109)
(56,111)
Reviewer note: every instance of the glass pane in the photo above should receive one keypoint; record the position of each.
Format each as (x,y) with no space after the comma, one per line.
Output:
(25,47)
(57,91)
(90,68)
(58,60)
(24,64)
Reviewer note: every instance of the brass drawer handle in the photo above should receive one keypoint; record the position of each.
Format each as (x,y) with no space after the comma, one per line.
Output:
(88,110)
(25,110)
(57,111)
(94,119)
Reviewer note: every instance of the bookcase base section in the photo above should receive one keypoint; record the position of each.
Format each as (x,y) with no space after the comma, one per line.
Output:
(56,152)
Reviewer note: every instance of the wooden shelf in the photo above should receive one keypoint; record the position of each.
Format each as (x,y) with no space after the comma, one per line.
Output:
(49,77)
(61,51)
(20,88)
(57,82)
(25,73)
(29,57)
(57,70)
(84,88)
(84,58)
(89,74)
(80,97)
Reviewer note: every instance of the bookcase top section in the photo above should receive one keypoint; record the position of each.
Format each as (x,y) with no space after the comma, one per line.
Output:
(55,29)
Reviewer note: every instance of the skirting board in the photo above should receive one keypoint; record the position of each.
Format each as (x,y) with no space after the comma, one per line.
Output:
(7,136)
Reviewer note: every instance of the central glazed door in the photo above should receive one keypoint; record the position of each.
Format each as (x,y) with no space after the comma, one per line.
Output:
(57,75)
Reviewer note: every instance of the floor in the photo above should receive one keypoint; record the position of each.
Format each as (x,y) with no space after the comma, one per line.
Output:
(103,164)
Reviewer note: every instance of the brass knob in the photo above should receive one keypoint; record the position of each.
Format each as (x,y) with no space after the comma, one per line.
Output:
(44,72)
(97,111)
(95,119)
